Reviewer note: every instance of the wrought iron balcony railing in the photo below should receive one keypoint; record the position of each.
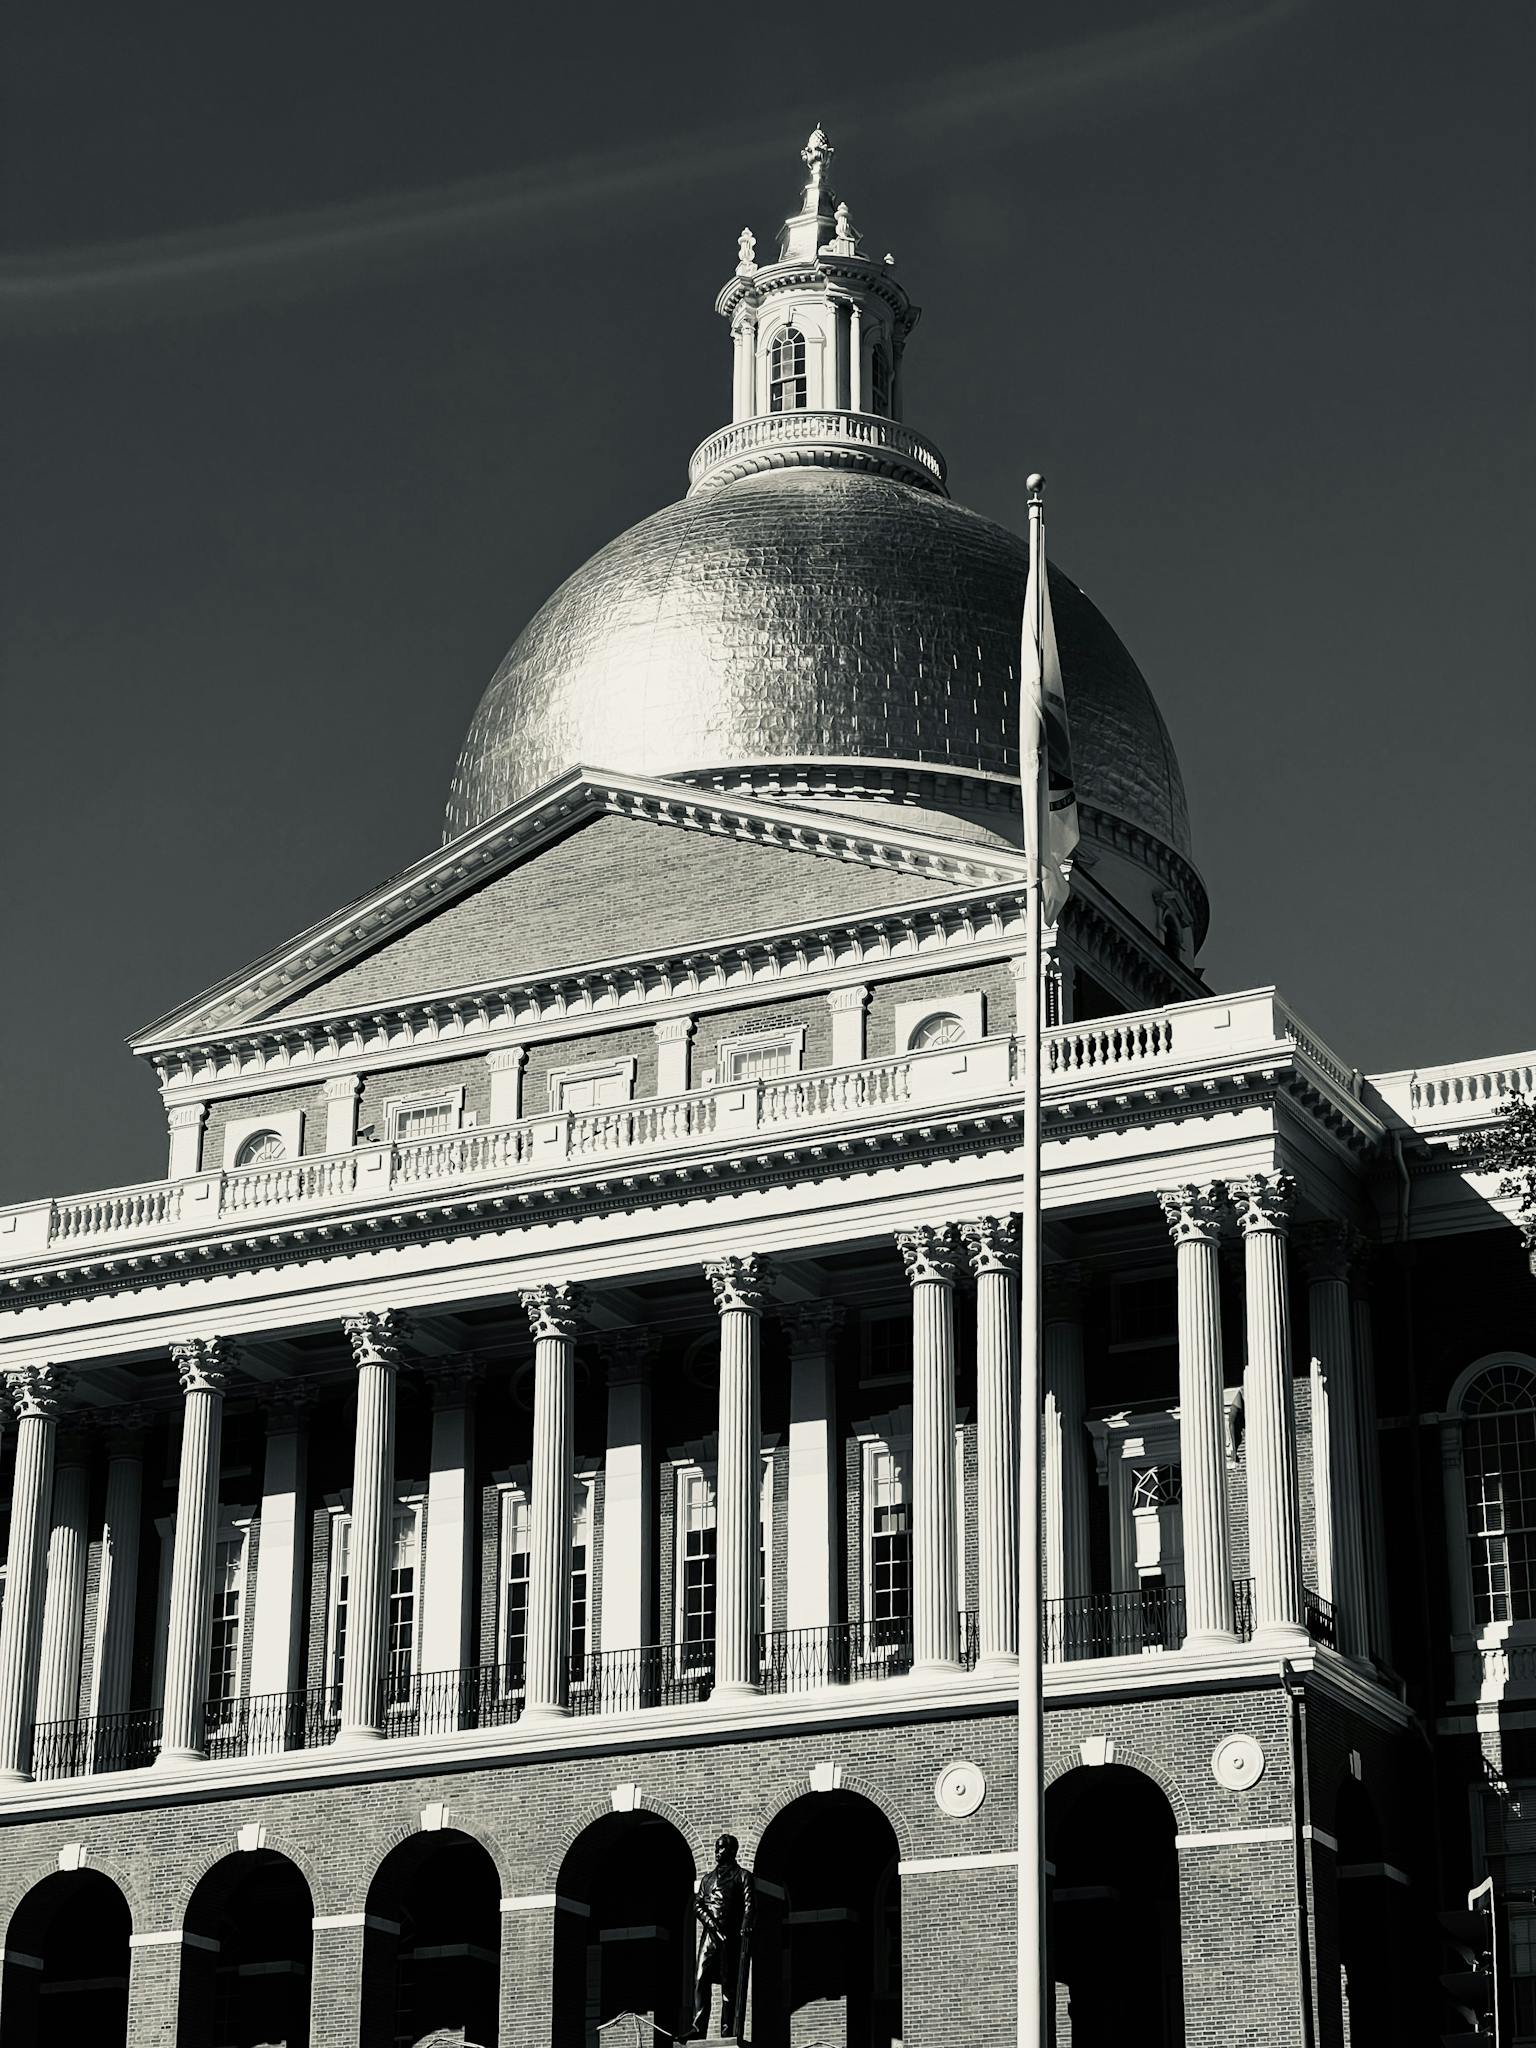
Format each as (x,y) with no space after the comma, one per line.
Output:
(1148,1619)
(100,1742)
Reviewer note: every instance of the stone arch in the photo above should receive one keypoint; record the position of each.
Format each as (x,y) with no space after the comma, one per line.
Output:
(599,1809)
(433,1940)
(280,1844)
(632,1870)
(787,1791)
(1489,1362)
(117,1870)
(1136,1760)
(251,1970)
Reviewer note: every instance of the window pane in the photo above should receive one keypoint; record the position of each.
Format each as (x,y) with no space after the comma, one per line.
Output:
(1499,1462)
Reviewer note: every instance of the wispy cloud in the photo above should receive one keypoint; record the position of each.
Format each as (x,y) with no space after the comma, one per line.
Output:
(315,250)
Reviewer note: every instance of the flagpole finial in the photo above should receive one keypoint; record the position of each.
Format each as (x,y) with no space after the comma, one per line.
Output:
(1034,483)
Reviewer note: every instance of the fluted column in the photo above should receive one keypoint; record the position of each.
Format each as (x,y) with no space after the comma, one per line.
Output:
(931,1260)
(629,1492)
(740,1288)
(36,1392)
(814,1525)
(1373,1531)
(1194,1221)
(202,1367)
(278,1610)
(992,1245)
(58,1681)
(855,357)
(117,1580)
(1325,1249)
(376,1340)
(1067,1572)
(555,1315)
(1274,1509)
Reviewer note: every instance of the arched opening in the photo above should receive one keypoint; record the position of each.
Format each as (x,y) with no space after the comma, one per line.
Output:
(245,1966)
(634,1951)
(786,372)
(1114,1932)
(1372,1940)
(66,1964)
(432,1947)
(827,1954)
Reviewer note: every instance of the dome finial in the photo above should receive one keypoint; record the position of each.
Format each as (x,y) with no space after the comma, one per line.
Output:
(817,153)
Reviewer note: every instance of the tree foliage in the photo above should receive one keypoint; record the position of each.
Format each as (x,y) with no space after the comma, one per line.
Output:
(1510,1150)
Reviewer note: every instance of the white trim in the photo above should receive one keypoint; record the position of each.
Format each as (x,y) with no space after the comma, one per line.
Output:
(765,1531)
(534,1902)
(682,1472)
(1318,1835)
(21,1959)
(993,1859)
(1387,1870)
(1222,1838)
(451,1099)
(964,1005)
(790,1037)
(174,1937)
(324,1920)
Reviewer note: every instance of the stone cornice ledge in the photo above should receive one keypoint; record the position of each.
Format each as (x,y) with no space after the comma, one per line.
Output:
(1188,1671)
(877,1701)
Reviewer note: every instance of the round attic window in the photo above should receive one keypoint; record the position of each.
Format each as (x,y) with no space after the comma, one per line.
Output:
(261,1148)
(943,1028)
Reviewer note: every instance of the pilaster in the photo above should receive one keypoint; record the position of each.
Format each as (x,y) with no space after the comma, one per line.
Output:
(814,1530)
(447,1573)
(850,1014)
(185,1122)
(341,1092)
(506,1071)
(117,1582)
(674,1041)
(1325,1249)
(1067,1562)
(277,1612)
(629,1492)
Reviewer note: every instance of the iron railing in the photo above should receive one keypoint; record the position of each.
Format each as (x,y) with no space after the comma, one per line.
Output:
(1150,1618)
(267,1723)
(442,1702)
(99,1742)
(656,1675)
(1320,1623)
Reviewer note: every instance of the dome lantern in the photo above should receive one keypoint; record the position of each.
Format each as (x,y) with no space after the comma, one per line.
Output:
(817,338)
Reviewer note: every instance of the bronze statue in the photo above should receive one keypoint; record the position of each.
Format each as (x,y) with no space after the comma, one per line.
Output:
(723,1906)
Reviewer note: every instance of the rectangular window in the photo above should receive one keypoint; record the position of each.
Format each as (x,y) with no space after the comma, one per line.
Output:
(697,1590)
(890,1548)
(224,1648)
(766,1056)
(886,1354)
(765,1546)
(581,1553)
(596,1084)
(402,1606)
(1143,1310)
(425,1116)
(341,1569)
(514,1635)
(1499,1454)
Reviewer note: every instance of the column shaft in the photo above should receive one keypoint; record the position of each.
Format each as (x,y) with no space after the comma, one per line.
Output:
(1067,1566)
(58,1684)
(1194,1217)
(629,1495)
(375,1341)
(814,1528)
(929,1255)
(202,1369)
(738,1285)
(1373,1531)
(992,1244)
(277,1615)
(855,358)
(1274,1509)
(553,1313)
(1335,1439)
(36,1391)
(117,1583)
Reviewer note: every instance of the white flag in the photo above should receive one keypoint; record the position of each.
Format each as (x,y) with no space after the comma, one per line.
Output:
(1046,741)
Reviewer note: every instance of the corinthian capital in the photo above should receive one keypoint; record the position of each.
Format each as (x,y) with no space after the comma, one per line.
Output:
(557,1310)
(1324,1249)
(1264,1203)
(740,1283)
(39,1390)
(1195,1214)
(811,1325)
(930,1252)
(992,1244)
(448,1380)
(376,1336)
(203,1364)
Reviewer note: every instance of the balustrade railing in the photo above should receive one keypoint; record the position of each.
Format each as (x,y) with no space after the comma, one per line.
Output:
(1117,1042)
(99,1742)
(853,429)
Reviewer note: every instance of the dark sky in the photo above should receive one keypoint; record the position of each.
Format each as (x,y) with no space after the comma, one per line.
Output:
(335,337)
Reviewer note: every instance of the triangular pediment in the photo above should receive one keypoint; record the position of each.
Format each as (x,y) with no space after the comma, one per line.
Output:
(591,869)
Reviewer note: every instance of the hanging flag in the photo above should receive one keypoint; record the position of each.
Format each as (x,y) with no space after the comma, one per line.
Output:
(1045,737)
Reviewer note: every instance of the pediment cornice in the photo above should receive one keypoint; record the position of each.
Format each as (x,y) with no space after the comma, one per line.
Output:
(229,1010)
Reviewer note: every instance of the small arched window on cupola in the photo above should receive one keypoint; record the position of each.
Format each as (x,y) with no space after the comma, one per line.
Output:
(786,372)
(880,381)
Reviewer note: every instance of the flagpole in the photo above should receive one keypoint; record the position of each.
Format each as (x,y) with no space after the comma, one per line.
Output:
(1031,1889)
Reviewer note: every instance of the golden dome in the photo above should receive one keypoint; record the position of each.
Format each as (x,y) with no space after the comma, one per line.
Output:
(809,615)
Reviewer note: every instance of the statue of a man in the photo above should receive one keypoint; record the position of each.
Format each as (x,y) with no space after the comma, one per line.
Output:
(723,1906)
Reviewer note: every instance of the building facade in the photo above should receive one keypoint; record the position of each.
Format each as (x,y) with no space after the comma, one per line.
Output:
(560,1403)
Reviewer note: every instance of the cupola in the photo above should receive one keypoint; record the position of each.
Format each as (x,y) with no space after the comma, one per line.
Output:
(817,340)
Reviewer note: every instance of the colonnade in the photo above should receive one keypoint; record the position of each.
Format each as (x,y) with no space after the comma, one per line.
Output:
(40,1646)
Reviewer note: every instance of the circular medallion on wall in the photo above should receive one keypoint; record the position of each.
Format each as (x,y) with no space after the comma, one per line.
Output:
(960,1788)
(1237,1762)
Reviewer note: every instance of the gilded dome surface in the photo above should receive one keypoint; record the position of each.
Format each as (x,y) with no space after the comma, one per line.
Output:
(809,614)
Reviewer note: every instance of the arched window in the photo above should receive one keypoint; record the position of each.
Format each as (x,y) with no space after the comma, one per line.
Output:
(943,1028)
(261,1148)
(1498,1451)
(786,372)
(880,380)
